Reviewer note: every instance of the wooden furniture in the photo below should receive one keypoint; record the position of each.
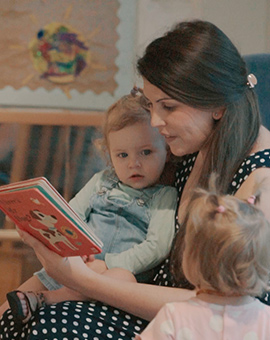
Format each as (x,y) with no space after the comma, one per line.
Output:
(17,261)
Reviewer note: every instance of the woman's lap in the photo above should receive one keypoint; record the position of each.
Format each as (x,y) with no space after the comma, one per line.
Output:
(74,320)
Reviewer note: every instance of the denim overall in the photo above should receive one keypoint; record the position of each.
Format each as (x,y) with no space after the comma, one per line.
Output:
(119,220)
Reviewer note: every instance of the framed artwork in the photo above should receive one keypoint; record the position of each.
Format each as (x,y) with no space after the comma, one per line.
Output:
(66,53)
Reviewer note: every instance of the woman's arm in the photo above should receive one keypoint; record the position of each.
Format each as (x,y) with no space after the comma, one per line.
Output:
(139,299)
(258,178)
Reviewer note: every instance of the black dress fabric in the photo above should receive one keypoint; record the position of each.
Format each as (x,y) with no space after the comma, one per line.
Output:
(96,320)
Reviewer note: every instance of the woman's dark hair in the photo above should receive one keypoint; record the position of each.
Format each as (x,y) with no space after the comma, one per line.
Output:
(197,64)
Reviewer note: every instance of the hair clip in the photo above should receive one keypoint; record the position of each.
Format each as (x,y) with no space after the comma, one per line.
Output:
(135,91)
(221,209)
(251,81)
(251,199)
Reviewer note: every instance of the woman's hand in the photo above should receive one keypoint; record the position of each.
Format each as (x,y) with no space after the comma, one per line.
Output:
(65,270)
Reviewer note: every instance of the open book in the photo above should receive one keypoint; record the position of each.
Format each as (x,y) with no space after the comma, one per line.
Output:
(37,207)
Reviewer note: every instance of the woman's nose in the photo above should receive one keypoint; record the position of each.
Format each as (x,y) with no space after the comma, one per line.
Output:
(156,119)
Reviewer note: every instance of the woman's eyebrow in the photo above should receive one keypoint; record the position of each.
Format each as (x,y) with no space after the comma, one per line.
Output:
(165,98)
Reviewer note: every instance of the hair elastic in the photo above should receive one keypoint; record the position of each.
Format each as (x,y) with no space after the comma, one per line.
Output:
(251,199)
(221,209)
(251,81)
(135,91)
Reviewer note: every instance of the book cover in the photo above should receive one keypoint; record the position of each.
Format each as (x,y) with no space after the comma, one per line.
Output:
(37,207)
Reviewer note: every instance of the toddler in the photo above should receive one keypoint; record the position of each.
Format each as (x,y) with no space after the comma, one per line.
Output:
(226,257)
(126,206)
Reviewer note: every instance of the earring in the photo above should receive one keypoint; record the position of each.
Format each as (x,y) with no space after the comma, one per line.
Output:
(215,115)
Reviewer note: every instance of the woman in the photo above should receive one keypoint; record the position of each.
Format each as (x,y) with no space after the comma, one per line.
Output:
(201,99)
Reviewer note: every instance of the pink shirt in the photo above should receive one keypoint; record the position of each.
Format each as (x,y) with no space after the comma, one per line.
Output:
(198,320)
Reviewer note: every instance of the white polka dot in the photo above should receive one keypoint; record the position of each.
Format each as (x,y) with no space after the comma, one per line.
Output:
(184,334)
(251,336)
(235,313)
(216,323)
(171,307)
(167,327)
(262,160)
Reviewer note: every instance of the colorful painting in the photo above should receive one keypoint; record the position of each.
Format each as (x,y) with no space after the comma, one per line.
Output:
(66,53)
(59,53)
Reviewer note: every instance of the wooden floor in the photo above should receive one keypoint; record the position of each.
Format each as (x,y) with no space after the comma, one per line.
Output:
(17,264)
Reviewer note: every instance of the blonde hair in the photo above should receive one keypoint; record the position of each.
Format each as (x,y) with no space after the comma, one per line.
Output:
(127,111)
(225,244)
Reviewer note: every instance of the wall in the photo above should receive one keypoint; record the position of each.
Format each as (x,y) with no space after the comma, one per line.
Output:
(246,22)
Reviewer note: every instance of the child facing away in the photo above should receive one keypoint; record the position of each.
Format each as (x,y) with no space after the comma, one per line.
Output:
(226,256)
(129,211)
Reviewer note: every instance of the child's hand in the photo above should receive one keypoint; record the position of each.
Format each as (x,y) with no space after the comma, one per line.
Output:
(88,258)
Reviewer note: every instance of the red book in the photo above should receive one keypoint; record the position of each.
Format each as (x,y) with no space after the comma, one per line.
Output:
(36,206)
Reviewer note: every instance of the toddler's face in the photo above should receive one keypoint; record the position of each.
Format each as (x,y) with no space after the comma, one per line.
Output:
(138,154)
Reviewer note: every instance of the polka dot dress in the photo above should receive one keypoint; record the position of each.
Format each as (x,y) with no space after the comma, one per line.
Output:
(95,320)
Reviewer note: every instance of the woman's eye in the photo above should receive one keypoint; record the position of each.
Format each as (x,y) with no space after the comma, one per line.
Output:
(168,107)
(146,152)
(122,155)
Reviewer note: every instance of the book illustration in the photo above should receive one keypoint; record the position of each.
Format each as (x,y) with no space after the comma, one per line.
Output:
(53,235)
(36,206)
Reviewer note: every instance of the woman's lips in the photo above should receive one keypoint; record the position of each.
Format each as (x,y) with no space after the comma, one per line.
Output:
(169,138)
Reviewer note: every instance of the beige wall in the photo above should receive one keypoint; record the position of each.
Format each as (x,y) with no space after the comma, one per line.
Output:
(246,22)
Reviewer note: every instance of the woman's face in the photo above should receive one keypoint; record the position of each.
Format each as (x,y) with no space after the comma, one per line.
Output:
(185,129)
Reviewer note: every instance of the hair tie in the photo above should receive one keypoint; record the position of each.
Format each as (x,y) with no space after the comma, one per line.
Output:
(135,91)
(221,209)
(251,199)
(251,81)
